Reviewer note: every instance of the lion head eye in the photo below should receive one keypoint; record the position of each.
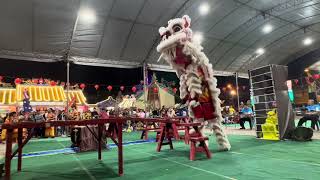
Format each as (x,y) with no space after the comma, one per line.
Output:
(176,28)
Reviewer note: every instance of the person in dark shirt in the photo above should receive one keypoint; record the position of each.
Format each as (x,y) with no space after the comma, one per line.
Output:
(94,114)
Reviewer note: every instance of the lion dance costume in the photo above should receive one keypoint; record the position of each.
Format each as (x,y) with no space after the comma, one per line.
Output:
(197,84)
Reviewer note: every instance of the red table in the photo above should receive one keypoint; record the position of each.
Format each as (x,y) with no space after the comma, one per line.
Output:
(114,132)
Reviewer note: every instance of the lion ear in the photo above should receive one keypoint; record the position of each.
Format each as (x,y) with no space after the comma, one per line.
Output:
(186,21)
(162,30)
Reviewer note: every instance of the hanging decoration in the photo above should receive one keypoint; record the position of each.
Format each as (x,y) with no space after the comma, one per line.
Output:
(121,88)
(35,81)
(82,86)
(165,89)
(109,88)
(17,81)
(316,76)
(296,81)
(134,89)
(53,83)
(96,87)
(62,83)
(40,81)
(175,90)
(1,78)
(155,90)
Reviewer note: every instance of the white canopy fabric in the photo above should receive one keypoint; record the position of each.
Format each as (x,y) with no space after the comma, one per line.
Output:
(125,32)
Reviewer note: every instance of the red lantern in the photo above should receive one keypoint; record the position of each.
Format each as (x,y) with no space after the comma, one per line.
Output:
(40,81)
(134,89)
(17,81)
(82,86)
(121,88)
(96,86)
(53,83)
(109,88)
(155,90)
(175,90)
(1,78)
(35,81)
(316,76)
(62,83)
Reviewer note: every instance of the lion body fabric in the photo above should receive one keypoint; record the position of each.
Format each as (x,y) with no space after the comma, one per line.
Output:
(197,83)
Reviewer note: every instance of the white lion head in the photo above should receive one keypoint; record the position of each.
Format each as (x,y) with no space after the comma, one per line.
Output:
(177,31)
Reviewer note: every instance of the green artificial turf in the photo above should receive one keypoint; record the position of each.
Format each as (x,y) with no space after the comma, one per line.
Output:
(250,158)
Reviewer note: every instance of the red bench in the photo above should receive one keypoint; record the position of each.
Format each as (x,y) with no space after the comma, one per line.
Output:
(201,148)
(145,131)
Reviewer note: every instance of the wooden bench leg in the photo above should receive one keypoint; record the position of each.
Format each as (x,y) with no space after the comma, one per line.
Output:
(146,135)
(192,150)
(206,149)
(161,138)
(142,134)
(170,142)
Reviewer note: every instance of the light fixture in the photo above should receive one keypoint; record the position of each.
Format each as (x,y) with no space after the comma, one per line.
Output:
(229,86)
(306,70)
(307,41)
(198,37)
(204,9)
(233,92)
(260,51)
(87,15)
(267,28)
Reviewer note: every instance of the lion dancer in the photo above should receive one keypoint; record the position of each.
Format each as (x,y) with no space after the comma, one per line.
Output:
(197,84)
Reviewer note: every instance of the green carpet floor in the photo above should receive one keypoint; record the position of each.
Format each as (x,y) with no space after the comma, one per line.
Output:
(250,158)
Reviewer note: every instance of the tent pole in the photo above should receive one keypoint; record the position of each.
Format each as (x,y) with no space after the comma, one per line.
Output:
(68,56)
(237,86)
(145,82)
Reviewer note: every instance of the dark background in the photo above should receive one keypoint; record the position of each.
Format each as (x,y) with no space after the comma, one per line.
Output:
(104,76)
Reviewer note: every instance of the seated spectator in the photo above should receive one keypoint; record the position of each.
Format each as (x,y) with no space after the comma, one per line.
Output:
(246,115)
(312,116)
(171,113)
(38,117)
(232,111)
(95,114)
(49,131)
(12,118)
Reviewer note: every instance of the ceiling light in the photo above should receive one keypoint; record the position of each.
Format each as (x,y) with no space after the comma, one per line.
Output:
(260,51)
(267,28)
(198,37)
(307,41)
(87,15)
(204,9)
(306,70)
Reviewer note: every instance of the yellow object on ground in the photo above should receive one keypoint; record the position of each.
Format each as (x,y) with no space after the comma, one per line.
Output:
(49,132)
(4,134)
(269,128)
